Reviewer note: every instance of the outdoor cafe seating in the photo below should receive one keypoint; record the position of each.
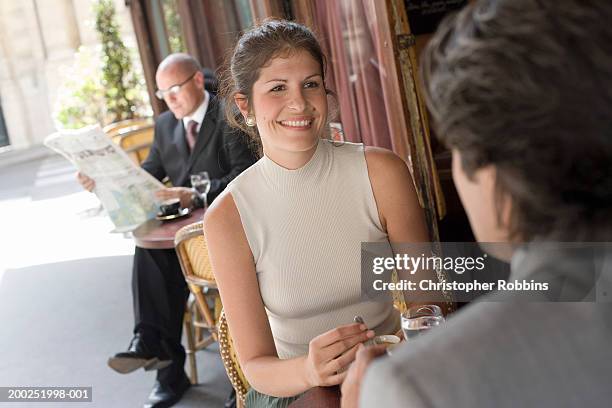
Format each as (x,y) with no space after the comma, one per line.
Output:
(193,257)
(230,362)
(204,307)
(134,136)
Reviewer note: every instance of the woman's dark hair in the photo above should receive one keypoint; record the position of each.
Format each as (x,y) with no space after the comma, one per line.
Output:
(254,50)
(526,86)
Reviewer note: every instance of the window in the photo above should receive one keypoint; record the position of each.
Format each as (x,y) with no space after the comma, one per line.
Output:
(174,29)
(167,26)
(352,41)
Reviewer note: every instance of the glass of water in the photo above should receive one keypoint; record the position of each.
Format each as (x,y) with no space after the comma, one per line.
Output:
(418,319)
(201,184)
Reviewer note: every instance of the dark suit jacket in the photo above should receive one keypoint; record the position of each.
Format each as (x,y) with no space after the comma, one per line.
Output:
(219,150)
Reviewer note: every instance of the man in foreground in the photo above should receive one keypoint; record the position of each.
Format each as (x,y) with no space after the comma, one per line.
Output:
(521,91)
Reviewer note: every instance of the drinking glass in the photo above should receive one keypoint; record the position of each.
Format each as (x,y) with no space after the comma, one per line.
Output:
(201,184)
(418,319)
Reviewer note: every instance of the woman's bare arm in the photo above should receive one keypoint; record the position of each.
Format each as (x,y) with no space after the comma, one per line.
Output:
(399,210)
(398,207)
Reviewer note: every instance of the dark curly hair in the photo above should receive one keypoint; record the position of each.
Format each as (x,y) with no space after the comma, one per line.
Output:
(526,85)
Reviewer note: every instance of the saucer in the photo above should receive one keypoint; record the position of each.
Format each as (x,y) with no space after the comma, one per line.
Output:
(388,340)
(182,212)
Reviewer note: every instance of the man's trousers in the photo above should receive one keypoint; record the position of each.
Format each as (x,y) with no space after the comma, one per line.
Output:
(160,293)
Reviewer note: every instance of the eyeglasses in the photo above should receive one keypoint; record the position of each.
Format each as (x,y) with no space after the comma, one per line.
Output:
(174,89)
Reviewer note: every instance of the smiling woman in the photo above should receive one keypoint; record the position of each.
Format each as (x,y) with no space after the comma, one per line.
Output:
(291,107)
(285,237)
(259,48)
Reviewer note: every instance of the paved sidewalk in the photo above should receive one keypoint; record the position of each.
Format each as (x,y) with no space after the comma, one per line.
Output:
(65,301)
(10,157)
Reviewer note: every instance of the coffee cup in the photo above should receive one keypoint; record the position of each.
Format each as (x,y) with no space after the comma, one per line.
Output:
(386,340)
(170,206)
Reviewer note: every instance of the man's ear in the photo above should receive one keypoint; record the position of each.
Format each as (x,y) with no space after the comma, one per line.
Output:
(242,103)
(199,79)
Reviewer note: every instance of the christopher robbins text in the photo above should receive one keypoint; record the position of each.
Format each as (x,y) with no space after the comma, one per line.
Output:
(430,285)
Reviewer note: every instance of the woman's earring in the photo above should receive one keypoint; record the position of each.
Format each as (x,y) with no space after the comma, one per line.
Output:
(250,121)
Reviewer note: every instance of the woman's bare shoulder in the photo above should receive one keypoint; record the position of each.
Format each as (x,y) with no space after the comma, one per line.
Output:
(395,194)
(385,167)
(222,215)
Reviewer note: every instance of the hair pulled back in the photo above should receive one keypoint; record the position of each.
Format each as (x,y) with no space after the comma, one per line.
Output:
(254,50)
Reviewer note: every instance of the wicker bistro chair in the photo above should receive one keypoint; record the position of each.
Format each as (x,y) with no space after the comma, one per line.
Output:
(136,141)
(193,256)
(114,129)
(230,361)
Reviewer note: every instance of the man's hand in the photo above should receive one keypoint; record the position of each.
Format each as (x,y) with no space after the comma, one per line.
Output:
(87,183)
(351,387)
(182,193)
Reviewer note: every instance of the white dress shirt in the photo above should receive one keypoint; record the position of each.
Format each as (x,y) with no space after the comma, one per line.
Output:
(198,114)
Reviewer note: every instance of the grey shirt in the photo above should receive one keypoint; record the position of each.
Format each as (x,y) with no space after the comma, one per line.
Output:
(508,351)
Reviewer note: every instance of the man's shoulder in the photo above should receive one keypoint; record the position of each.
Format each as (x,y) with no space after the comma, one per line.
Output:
(216,105)
(166,120)
(470,330)
(447,356)
(491,353)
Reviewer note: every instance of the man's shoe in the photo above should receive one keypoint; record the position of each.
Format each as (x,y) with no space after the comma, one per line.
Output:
(164,396)
(139,354)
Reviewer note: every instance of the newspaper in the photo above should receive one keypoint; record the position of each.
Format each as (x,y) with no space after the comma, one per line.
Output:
(125,190)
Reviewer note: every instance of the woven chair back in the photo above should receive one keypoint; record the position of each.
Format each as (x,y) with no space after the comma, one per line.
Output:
(230,360)
(193,254)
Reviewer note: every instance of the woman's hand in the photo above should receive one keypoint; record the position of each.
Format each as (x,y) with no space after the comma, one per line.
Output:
(182,193)
(331,352)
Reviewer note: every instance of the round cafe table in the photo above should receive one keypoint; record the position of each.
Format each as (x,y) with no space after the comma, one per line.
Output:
(155,234)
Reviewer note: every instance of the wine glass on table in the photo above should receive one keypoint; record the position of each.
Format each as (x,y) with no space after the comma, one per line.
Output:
(418,319)
(201,184)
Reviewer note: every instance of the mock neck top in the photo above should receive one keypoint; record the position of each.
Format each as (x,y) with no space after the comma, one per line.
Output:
(305,228)
(285,181)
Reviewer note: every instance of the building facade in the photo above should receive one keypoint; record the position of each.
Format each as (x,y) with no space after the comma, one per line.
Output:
(38,41)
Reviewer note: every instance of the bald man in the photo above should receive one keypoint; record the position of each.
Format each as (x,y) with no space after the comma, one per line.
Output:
(192,137)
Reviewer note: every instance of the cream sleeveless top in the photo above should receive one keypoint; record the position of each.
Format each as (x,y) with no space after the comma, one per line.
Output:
(305,229)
